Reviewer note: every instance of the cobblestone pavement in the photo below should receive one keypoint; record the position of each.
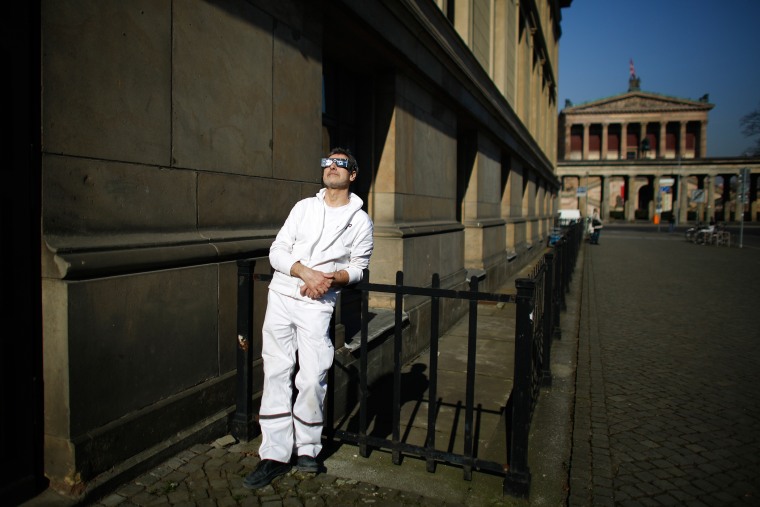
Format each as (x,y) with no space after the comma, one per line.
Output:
(668,379)
(212,476)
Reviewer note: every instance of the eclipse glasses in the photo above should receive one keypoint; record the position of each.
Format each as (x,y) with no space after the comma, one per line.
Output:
(340,162)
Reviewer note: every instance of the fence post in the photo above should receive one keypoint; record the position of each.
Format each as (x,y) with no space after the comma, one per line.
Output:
(556,293)
(397,355)
(548,320)
(517,480)
(566,259)
(243,423)
(472,334)
(363,365)
(432,414)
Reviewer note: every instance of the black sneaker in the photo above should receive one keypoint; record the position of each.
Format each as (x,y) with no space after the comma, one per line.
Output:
(264,473)
(307,464)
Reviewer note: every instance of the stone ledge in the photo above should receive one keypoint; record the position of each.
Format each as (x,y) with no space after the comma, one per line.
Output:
(380,325)
(80,257)
(408,230)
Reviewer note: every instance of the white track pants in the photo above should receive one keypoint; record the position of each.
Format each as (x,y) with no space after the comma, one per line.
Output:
(291,326)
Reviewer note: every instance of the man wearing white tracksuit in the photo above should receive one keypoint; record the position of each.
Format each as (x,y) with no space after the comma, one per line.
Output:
(325,244)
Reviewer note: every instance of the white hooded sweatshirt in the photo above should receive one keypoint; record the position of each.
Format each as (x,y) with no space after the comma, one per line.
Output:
(303,238)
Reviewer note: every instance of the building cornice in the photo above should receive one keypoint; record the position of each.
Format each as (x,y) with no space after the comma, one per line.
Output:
(638,102)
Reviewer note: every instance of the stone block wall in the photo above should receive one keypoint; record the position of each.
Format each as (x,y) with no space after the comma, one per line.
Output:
(177,135)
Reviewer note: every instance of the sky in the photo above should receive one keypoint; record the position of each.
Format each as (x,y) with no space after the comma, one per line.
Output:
(679,48)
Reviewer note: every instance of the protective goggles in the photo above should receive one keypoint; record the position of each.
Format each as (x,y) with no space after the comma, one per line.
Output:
(340,162)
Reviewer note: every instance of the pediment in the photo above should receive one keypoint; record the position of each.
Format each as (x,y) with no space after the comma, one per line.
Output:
(639,102)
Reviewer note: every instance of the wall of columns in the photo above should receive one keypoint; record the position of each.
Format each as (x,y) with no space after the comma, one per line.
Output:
(635,196)
(684,139)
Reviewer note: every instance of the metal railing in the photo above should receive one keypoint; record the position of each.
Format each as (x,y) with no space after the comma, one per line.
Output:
(539,301)
(429,451)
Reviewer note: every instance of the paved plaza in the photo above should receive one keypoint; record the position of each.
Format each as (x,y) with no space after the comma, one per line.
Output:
(668,379)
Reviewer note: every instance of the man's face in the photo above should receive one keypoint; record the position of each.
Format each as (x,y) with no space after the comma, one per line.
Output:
(337,177)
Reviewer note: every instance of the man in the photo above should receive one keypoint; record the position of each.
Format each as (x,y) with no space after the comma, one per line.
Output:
(325,244)
(596,227)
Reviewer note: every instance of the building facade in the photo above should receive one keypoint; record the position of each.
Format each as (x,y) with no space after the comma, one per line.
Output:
(642,155)
(174,137)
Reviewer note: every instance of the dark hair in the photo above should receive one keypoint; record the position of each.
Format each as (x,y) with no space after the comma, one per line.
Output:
(352,165)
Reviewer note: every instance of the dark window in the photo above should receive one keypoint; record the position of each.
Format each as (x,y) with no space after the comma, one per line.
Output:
(595,138)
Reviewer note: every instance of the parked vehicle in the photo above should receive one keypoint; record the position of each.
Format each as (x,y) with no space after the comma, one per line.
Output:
(713,235)
(691,232)
(566,217)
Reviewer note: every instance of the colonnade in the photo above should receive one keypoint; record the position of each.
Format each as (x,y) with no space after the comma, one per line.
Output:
(642,196)
(664,140)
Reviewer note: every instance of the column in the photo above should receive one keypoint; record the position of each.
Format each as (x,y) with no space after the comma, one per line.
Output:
(568,136)
(586,127)
(683,199)
(604,200)
(702,139)
(682,139)
(701,205)
(623,140)
(583,202)
(739,207)
(661,147)
(630,196)
(642,137)
(710,208)
(726,197)
(605,137)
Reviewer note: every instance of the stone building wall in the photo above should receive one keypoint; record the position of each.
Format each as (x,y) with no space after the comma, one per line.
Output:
(176,138)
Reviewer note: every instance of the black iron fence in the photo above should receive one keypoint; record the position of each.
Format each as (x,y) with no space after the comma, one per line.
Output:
(539,300)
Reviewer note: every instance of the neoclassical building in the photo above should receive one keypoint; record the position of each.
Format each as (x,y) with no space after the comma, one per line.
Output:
(170,139)
(642,155)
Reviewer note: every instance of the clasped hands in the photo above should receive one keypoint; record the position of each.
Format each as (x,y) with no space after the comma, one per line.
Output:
(315,283)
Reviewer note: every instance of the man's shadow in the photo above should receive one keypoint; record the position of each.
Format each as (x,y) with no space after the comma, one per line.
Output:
(414,386)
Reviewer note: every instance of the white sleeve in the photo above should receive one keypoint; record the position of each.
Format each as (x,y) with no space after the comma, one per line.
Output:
(361,250)
(281,252)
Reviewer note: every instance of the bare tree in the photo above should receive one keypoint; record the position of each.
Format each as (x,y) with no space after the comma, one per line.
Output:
(750,123)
